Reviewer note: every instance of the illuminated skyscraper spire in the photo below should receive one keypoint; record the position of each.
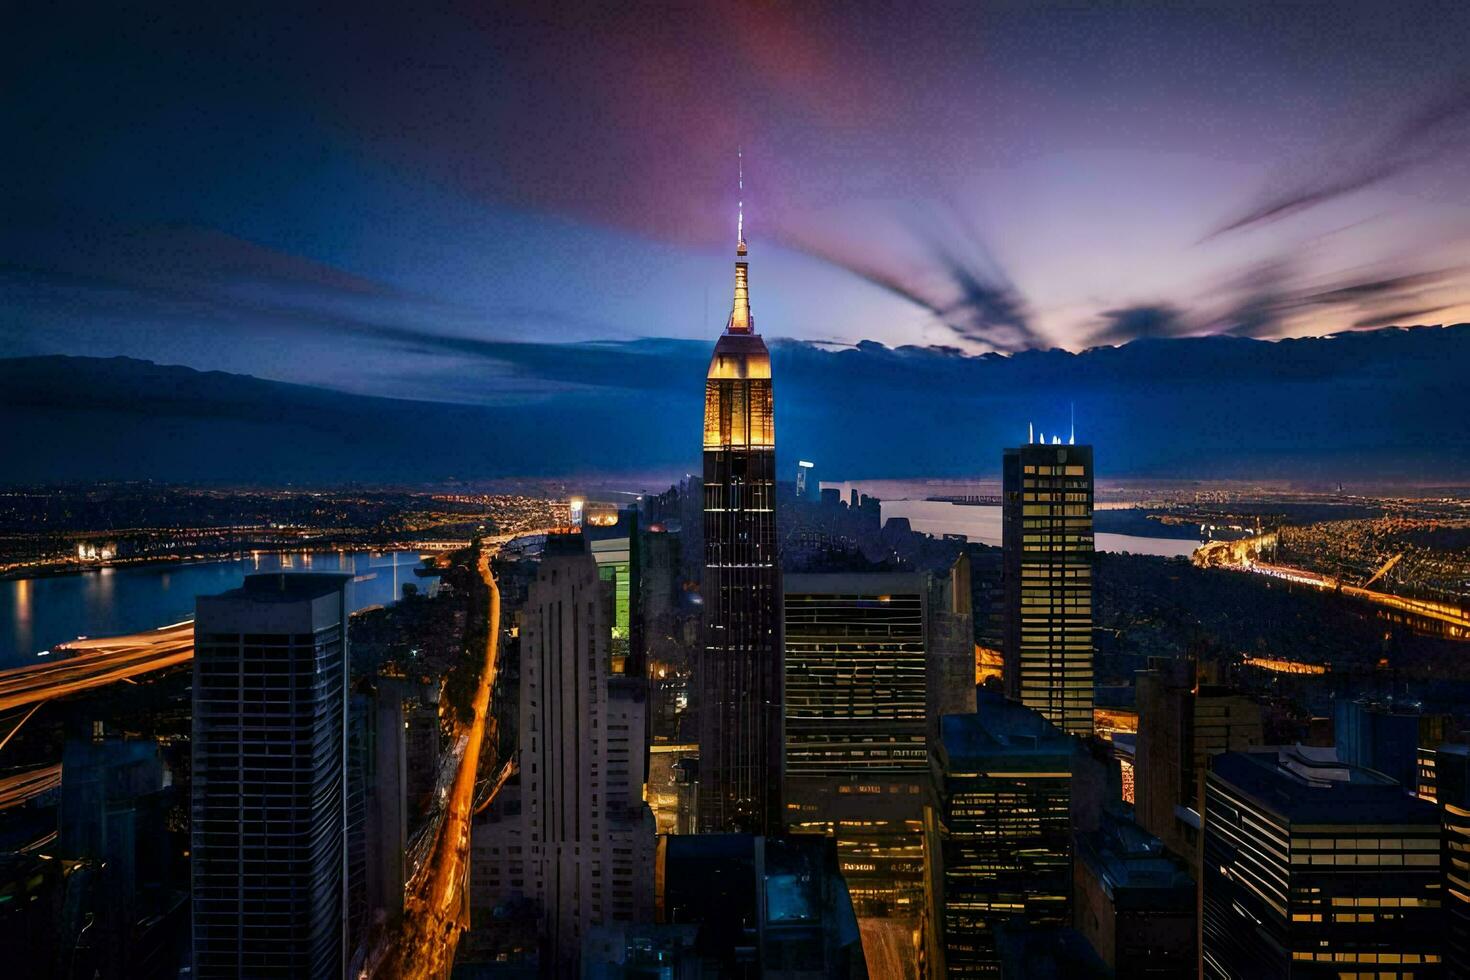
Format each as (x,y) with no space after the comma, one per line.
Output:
(740,319)
(740,669)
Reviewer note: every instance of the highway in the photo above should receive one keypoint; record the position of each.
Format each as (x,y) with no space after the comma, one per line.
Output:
(435,906)
(18,788)
(96,663)
(421,847)
(81,665)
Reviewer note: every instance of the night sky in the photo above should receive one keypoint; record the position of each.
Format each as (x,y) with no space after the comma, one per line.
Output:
(412,204)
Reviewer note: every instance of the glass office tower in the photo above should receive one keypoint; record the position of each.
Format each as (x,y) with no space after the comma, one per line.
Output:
(269,781)
(1046,534)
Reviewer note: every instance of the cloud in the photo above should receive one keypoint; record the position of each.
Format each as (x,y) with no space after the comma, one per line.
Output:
(1244,408)
(181,278)
(1434,129)
(1395,317)
(1138,322)
(1263,301)
(937,260)
(989,310)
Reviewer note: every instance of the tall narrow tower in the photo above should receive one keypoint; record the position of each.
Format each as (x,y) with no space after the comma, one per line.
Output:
(269,815)
(1046,534)
(740,734)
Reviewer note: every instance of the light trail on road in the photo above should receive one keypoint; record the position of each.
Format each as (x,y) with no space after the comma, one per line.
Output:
(97,663)
(433,908)
(20,787)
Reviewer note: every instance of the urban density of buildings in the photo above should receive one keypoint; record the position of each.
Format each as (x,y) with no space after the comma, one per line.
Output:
(738,728)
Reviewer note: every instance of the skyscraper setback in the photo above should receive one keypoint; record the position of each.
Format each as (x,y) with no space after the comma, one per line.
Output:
(740,734)
(1048,554)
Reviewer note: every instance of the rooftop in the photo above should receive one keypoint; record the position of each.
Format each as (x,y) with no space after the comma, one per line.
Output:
(1306,785)
(1000,726)
(288,586)
(1125,857)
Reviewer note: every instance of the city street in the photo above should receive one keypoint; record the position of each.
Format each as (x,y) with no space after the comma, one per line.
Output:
(435,909)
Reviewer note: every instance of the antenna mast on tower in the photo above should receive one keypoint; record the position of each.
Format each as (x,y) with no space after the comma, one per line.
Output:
(740,197)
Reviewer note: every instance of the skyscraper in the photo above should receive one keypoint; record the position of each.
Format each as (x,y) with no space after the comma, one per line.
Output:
(857,761)
(581,844)
(269,781)
(1184,720)
(739,674)
(1046,533)
(1313,868)
(999,846)
(1453,790)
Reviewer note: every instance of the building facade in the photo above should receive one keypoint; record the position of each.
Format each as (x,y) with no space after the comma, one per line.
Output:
(1183,721)
(1047,544)
(574,839)
(739,674)
(1313,868)
(1453,793)
(269,784)
(998,848)
(1133,902)
(856,749)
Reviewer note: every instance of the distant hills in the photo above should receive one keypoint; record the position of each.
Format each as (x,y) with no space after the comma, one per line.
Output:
(1389,405)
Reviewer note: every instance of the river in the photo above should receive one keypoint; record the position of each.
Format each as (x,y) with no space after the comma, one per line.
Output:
(982,523)
(38,613)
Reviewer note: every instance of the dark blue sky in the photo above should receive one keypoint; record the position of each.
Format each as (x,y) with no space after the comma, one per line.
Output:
(393,202)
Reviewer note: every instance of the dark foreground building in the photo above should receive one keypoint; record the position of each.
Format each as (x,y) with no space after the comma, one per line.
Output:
(1134,903)
(999,848)
(1313,868)
(759,907)
(739,675)
(1184,719)
(269,786)
(1386,736)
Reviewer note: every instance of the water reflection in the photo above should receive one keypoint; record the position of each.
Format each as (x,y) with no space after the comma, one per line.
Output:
(20,599)
(982,523)
(36,614)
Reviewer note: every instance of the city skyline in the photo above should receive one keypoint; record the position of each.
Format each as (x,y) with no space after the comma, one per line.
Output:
(1101,611)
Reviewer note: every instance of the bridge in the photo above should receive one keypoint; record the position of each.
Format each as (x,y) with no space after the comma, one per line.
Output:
(1423,614)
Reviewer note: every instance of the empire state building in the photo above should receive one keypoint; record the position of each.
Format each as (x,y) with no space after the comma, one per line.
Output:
(739,674)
